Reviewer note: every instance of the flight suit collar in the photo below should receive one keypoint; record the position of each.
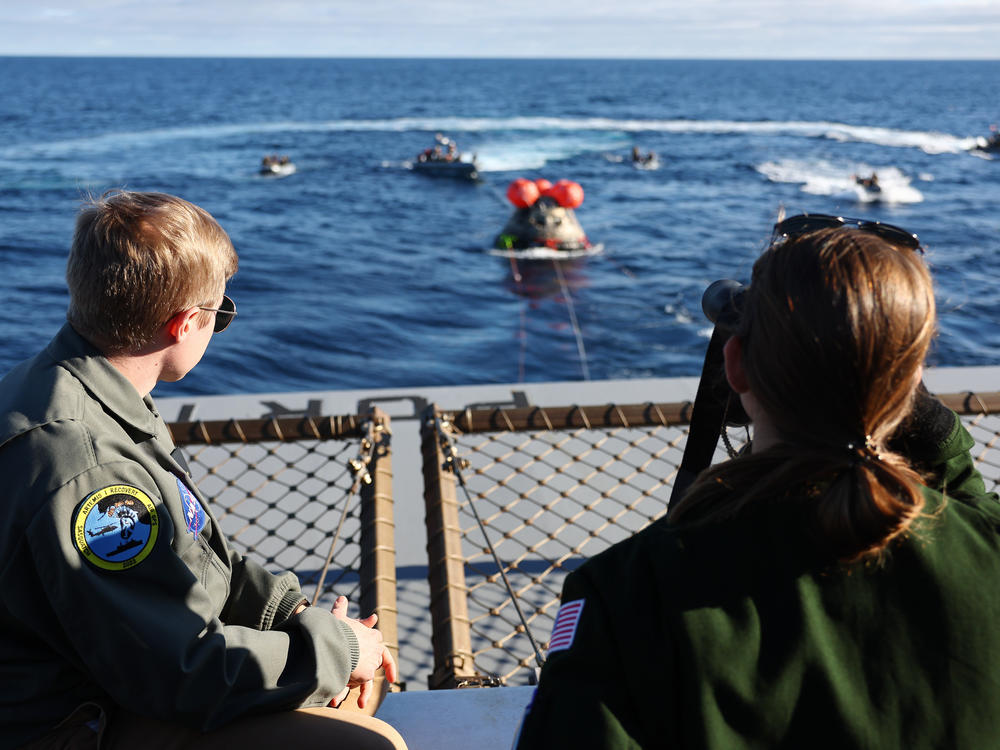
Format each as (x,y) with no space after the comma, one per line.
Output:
(105,383)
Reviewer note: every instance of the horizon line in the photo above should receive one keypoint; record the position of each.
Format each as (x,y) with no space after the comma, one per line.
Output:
(456,58)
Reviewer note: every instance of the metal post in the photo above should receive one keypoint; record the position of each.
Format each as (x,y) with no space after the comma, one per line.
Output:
(378,545)
(451,636)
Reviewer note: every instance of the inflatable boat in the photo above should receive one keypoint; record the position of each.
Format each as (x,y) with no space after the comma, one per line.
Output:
(990,144)
(443,159)
(456,169)
(276,166)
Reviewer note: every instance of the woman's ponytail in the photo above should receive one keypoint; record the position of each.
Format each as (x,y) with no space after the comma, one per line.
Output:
(835,328)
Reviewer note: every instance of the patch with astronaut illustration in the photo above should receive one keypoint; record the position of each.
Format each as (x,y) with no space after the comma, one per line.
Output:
(195,517)
(115,528)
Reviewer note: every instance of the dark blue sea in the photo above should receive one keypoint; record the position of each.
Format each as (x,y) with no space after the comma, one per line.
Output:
(357,272)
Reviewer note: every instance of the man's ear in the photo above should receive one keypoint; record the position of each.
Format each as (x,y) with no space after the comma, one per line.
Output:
(732,353)
(183,323)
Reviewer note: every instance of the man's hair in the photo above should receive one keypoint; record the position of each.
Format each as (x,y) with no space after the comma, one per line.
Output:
(137,259)
(835,328)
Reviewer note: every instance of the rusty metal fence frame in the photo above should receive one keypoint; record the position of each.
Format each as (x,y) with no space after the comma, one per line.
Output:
(459,638)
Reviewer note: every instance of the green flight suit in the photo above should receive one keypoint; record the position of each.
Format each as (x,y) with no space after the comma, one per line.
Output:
(737,636)
(117,585)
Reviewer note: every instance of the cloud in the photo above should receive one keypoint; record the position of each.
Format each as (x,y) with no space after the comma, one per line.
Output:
(513,28)
(47,13)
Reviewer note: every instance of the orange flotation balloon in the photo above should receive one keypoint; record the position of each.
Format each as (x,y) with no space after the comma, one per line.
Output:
(553,190)
(566,193)
(574,195)
(522,193)
(543,185)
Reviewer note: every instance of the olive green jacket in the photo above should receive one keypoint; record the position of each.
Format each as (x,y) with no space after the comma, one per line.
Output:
(736,636)
(116,583)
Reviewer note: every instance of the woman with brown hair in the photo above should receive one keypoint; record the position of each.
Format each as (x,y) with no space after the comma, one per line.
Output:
(835,585)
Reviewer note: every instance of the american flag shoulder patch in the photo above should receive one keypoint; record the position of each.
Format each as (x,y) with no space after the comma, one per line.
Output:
(564,629)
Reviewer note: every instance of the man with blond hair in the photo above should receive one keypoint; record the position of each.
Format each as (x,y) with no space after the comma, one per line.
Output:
(126,620)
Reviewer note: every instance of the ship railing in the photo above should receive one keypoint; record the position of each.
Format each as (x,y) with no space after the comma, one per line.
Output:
(308,494)
(530,493)
(515,499)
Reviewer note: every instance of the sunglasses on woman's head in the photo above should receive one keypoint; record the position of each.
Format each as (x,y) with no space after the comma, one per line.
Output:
(803,223)
(224,313)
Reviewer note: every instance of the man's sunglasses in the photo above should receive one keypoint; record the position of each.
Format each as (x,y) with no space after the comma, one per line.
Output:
(803,223)
(224,313)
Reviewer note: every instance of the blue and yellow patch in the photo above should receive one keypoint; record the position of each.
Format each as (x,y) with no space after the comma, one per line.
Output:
(115,528)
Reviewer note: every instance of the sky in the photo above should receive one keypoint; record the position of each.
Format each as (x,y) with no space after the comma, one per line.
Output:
(741,29)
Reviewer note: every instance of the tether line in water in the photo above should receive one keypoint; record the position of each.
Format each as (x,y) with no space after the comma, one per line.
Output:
(572,318)
(522,354)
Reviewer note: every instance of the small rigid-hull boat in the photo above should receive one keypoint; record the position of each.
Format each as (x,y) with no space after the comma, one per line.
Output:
(443,159)
(648,160)
(990,145)
(276,166)
(456,169)
(868,189)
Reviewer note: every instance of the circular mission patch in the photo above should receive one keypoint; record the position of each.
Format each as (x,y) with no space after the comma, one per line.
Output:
(115,528)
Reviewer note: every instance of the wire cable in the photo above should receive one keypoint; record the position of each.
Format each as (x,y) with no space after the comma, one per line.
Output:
(451,459)
(359,467)
(572,317)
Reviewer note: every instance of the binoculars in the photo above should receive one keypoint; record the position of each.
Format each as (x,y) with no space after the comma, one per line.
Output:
(715,405)
(722,303)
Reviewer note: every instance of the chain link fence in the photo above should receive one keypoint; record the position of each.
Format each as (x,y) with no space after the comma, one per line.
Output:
(516,499)
(311,495)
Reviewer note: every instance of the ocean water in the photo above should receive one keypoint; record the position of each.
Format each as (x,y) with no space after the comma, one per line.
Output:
(356,272)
